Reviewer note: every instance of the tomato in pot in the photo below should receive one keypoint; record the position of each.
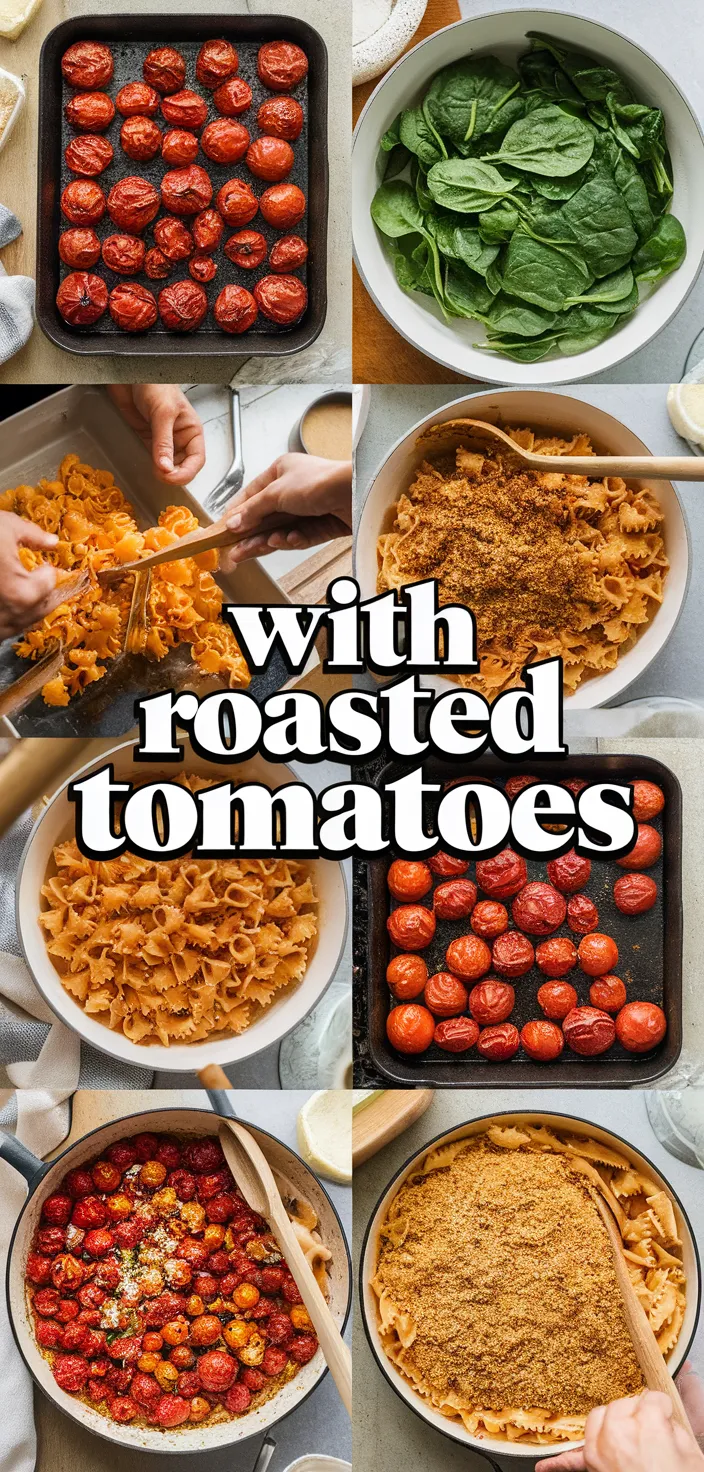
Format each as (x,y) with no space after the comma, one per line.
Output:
(185,109)
(635,893)
(136,99)
(411,927)
(179,147)
(648,800)
(491,1001)
(608,993)
(247,249)
(173,238)
(539,908)
(202,267)
(556,999)
(83,202)
(640,1026)
(646,849)
(455,899)
(597,954)
(270,158)
(133,203)
(165,69)
(288,253)
(236,202)
(444,995)
(186,191)
(446,865)
(79,248)
(281,65)
(233,98)
(503,876)
(156,264)
(182,306)
(406,976)
(512,954)
(498,1044)
(456,1034)
(87,64)
(589,1031)
(468,957)
(207,230)
(557,956)
(406,879)
(140,138)
(514,785)
(88,155)
(225,141)
(283,205)
(542,1041)
(235,309)
(82,298)
(281,117)
(283,299)
(90,112)
(570,872)
(582,914)
(410,1028)
(489,919)
(216,62)
(132,307)
(125,255)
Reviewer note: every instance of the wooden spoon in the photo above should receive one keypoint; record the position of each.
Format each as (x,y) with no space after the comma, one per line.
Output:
(650,467)
(655,1371)
(204,539)
(255,1179)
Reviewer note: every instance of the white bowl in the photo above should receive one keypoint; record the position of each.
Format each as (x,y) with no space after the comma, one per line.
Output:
(487,1444)
(56,824)
(420,320)
(376,51)
(562,415)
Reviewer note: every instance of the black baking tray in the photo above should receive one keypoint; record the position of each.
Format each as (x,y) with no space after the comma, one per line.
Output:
(131,37)
(650,948)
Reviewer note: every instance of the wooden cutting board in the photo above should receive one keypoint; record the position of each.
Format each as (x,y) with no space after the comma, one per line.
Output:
(380,354)
(383,1118)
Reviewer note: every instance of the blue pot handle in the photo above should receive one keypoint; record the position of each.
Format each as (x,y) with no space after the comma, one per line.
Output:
(21,1159)
(221,1101)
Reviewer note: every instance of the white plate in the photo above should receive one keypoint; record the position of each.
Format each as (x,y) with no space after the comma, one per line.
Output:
(503,34)
(562,415)
(56,824)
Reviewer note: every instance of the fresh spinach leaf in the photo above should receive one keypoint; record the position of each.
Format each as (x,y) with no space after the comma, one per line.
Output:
(467,185)
(459,241)
(512,318)
(590,77)
(392,137)
(662,253)
(601,225)
(464,99)
(548,141)
(396,211)
(496,226)
(417,137)
(466,295)
(521,349)
(545,275)
(613,289)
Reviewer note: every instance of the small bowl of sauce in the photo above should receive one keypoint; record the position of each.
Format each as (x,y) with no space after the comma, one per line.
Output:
(325,428)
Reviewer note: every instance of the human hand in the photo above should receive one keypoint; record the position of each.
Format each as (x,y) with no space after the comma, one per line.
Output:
(167,423)
(633,1435)
(25,596)
(309,499)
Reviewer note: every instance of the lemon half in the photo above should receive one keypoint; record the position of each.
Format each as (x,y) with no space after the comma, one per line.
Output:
(324,1130)
(685,406)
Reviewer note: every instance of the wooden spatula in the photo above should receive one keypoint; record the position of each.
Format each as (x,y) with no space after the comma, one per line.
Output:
(649,467)
(655,1371)
(205,539)
(255,1179)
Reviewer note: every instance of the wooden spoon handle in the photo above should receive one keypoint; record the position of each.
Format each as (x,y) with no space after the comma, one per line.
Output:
(212,1076)
(631,467)
(337,1354)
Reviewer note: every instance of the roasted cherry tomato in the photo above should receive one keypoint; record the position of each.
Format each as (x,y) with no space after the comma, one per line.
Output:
(281,65)
(207,230)
(502,876)
(83,202)
(225,141)
(90,112)
(539,909)
(202,267)
(635,893)
(288,253)
(247,249)
(233,97)
(280,117)
(132,307)
(140,138)
(179,147)
(557,956)
(165,69)
(70,1372)
(582,914)
(235,309)
(217,1370)
(556,999)
(411,927)
(514,785)
(499,1043)
(136,99)
(640,1026)
(283,299)
(156,265)
(87,64)
(133,203)
(185,109)
(445,996)
(512,954)
(468,957)
(173,238)
(446,865)
(410,1028)
(186,191)
(406,880)
(648,800)
(489,919)
(570,872)
(588,1031)
(236,202)
(456,1034)
(217,60)
(455,899)
(608,993)
(406,976)
(646,849)
(182,306)
(82,298)
(270,158)
(283,205)
(79,248)
(597,954)
(125,255)
(542,1041)
(88,155)
(491,1001)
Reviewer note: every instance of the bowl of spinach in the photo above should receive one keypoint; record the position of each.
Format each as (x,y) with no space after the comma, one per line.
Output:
(524,197)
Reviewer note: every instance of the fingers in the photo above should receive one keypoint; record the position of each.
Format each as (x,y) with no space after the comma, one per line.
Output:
(162,423)
(26,534)
(565,1462)
(692,1391)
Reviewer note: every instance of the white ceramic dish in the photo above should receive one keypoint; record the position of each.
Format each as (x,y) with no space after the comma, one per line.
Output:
(489,1445)
(56,823)
(378,48)
(561,414)
(503,34)
(318,1463)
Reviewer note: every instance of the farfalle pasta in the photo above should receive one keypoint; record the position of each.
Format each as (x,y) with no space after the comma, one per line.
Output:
(97,530)
(549,563)
(496,1290)
(176,950)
